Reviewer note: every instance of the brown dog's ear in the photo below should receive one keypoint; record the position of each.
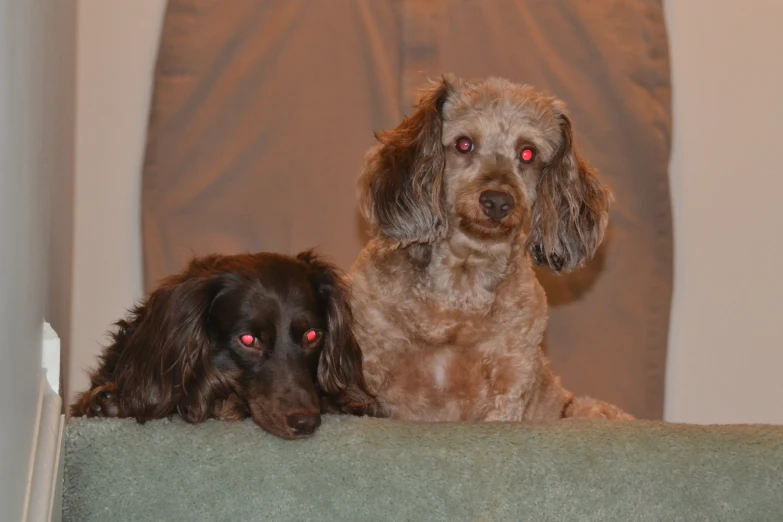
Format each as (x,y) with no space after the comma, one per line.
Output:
(401,186)
(163,361)
(340,373)
(571,209)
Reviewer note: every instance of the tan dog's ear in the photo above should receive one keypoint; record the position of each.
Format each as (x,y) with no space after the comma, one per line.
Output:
(401,186)
(571,209)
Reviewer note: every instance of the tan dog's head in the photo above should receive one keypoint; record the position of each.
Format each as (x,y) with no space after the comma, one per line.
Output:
(492,160)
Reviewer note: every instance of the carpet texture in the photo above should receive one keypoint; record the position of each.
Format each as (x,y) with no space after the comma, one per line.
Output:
(371,469)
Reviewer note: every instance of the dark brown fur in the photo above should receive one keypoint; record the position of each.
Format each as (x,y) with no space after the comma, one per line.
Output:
(179,351)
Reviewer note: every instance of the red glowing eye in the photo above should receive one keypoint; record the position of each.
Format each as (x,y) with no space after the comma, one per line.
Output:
(527,155)
(247,339)
(464,145)
(312,336)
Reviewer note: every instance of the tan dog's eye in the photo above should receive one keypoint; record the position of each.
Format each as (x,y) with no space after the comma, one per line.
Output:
(527,155)
(464,145)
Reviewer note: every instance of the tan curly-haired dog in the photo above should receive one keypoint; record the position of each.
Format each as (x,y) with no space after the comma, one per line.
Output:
(481,181)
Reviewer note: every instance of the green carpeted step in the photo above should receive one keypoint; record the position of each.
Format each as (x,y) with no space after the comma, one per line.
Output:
(372,469)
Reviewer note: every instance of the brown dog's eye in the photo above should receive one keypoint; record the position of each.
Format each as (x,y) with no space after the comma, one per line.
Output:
(249,340)
(464,145)
(312,338)
(527,155)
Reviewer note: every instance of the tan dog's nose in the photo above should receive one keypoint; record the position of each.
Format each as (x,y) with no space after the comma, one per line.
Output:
(496,204)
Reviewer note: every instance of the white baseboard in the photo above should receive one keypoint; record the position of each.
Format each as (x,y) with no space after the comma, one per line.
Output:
(44,486)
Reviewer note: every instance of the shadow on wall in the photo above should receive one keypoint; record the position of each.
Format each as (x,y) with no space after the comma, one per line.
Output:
(60,98)
(563,289)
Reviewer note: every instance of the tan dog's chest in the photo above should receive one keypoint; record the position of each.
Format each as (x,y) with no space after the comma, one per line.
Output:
(431,361)
(456,382)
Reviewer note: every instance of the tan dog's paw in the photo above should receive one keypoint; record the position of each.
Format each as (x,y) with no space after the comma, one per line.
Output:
(589,407)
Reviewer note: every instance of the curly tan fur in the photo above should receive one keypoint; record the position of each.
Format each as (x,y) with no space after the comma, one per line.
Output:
(449,313)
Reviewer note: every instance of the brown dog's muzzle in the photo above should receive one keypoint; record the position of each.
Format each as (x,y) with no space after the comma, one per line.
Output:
(303,424)
(286,403)
(287,423)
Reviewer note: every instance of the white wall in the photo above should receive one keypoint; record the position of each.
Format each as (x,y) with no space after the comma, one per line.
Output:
(36,106)
(726,339)
(116,50)
(726,343)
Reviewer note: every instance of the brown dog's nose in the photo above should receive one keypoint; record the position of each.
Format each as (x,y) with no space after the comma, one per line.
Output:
(303,424)
(496,204)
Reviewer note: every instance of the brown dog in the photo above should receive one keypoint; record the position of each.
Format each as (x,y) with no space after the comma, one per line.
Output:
(460,197)
(250,335)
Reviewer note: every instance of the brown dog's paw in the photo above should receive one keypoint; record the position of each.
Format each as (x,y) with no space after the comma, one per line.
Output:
(358,406)
(231,408)
(592,408)
(97,402)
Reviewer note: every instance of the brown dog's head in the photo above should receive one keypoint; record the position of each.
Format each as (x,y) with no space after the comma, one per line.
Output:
(263,335)
(490,159)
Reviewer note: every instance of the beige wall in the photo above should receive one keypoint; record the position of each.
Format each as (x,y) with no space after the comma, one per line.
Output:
(36,140)
(726,344)
(726,341)
(116,48)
